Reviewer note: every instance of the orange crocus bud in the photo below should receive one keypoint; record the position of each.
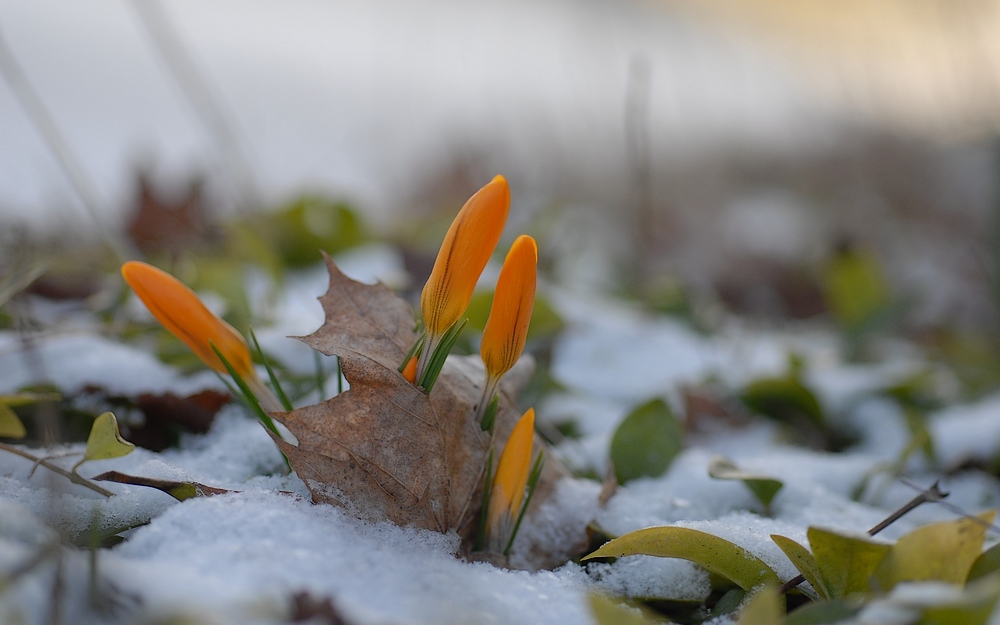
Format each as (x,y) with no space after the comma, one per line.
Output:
(514,297)
(410,370)
(180,311)
(509,483)
(466,249)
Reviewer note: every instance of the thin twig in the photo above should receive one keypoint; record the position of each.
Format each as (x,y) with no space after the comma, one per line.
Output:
(73,477)
(932,494)
(181,64)
(71,166)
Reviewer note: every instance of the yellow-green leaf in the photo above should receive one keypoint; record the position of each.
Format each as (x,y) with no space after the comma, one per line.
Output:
(23,399)
(987,562)
(608,612)
(804,562)
(10,424)
(855,287)
(646,442)
(846,562)
(943,552)
(717,555)
(763,487)
(976,605)
(105,441)
(822,613)
(765,608)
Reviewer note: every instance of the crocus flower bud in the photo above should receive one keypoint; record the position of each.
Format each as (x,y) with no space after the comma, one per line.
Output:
(510,482)
(180,311)
(466,249)
(513,300)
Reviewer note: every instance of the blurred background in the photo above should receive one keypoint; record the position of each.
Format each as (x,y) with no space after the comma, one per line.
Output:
(778,159)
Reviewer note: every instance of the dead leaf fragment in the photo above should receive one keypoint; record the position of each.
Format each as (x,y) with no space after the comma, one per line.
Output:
(178,490)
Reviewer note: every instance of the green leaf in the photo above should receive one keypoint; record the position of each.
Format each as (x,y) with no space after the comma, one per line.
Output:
(608,612)
(856,289)
(762,486)
(785,399)
(846,562)
(23,399)
(987,562)
(10,424)
(717,555)
(310,224)
(943,552)
(974,607)
(105,441)
(804,562)
(822,613)
(765,608)
(646,442)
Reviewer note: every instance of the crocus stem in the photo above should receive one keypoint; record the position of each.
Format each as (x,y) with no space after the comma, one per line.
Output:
(73,477)
(267,399)
(426,353)
(489,390)
(931,494)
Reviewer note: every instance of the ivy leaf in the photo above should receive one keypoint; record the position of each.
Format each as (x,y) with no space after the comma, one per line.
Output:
(646,442)
(716,555)
(943,552)
(762,486)
(105,441)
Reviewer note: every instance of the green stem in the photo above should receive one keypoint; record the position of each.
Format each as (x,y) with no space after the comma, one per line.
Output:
(73,477)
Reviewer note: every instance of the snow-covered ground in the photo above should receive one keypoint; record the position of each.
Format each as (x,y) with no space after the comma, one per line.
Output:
(242,557)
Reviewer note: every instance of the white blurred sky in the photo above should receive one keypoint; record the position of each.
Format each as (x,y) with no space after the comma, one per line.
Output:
(366,98)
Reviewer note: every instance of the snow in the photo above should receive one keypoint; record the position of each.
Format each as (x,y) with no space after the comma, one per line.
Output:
(241,557)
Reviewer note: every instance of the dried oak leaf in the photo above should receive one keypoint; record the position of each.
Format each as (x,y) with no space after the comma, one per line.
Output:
(383,449)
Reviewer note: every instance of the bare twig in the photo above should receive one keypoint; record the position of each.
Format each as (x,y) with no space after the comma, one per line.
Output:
(932,494)
(180,63)
(35,109)
(73,477)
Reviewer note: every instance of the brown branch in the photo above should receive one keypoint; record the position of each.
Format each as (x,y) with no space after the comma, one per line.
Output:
(71,476)
(931,494)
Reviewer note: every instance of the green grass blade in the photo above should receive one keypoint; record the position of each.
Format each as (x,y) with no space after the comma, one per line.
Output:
(270,374)
(536,474)
(479,545)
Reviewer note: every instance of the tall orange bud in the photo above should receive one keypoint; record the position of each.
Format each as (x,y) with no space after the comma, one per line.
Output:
(466,249)
(507,327)
(180,311)
(513,300)
(510,481)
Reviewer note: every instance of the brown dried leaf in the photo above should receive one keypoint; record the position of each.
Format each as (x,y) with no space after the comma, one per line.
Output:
(364,320)
(180,491)
(383,449)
